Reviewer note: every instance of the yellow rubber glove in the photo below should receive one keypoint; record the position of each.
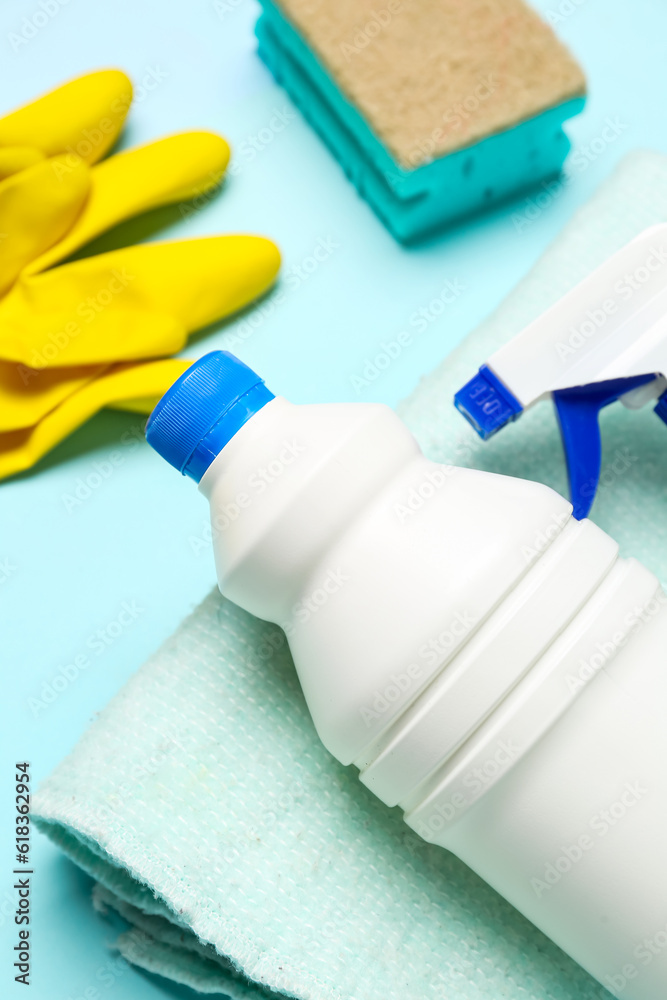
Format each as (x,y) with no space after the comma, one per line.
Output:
(43,312)
(79,122)
(61,327)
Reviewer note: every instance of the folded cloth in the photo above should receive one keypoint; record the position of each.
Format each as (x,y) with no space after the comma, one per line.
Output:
(243,857)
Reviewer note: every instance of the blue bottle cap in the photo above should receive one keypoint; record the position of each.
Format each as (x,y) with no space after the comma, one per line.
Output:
(203,410)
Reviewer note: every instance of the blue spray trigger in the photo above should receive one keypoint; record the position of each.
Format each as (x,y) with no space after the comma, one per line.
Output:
(661,407)
(578,410)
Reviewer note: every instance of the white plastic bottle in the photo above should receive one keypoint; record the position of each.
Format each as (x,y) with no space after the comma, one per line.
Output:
(486,661)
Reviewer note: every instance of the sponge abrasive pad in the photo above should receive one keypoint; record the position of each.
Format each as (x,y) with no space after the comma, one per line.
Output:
(412,67)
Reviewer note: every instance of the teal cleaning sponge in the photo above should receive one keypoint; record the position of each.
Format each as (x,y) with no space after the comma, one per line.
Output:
(434,108)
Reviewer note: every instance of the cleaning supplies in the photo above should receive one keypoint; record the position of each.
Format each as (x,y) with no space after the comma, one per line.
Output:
(65,323)
(605,340)
(264,855)
(486,661)
(434,109)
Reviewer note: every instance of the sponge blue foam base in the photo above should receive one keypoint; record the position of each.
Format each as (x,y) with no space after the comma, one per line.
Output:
(412,203)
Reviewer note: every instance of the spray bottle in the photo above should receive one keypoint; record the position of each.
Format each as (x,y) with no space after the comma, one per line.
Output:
(604,341)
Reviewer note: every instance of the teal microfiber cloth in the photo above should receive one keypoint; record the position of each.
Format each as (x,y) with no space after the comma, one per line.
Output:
(434,108)
(243,858)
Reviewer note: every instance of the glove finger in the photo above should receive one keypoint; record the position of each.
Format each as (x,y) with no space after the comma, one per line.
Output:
(134,303)
(37,207)
(20,449)
(144,406)
(173,169)
(15,158)
(28,394)
(82,117)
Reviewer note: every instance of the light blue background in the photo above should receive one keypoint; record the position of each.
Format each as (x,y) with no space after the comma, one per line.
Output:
(131,539)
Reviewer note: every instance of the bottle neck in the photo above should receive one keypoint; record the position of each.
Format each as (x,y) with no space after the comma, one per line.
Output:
(292,479)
